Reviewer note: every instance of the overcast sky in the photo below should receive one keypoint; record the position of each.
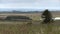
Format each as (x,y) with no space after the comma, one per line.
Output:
(30,4)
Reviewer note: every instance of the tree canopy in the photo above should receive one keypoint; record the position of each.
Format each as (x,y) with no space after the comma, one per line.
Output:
(47,16)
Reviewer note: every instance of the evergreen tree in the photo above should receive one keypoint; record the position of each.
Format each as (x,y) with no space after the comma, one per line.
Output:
(47,16)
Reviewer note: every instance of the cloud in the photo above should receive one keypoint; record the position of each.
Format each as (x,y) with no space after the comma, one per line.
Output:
(18,5)
(17,1)
(30,4)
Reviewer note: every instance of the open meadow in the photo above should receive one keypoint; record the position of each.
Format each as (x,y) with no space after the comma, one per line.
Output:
(17,27)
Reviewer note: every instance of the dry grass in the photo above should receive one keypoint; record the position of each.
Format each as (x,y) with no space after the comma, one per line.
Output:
(29,29)
(34,16)
(17,27)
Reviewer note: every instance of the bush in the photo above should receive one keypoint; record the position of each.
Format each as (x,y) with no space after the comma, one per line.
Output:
(47,16)
(20,18)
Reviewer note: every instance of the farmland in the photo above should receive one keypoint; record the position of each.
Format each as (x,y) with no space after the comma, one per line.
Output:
(17,27)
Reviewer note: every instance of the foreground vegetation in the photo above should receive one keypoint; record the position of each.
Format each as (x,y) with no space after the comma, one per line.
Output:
(33,28)
(17,27)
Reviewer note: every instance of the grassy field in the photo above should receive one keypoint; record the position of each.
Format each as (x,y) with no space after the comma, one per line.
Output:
(51,28)
(34,16)
(17,27)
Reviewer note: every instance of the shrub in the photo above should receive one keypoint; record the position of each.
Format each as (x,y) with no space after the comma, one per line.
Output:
(20,18)
(47,16)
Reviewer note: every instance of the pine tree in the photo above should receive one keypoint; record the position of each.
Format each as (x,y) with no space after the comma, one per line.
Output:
(47,16)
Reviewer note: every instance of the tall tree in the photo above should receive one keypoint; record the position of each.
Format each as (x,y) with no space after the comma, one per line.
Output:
(47,16)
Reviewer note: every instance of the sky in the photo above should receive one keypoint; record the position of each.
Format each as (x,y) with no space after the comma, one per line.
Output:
(29,4)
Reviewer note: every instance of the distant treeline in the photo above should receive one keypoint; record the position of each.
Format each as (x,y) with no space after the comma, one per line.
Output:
(24,11)
(20,11)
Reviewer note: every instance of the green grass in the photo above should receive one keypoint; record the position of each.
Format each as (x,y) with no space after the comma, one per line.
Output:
(29,29)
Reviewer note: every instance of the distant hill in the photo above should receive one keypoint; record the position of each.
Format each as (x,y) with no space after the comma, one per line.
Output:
(26,11)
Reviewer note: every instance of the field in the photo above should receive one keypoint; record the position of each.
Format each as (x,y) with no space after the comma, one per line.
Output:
(17,27)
